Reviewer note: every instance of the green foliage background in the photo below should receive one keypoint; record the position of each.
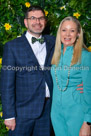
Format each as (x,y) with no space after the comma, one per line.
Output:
(12,12)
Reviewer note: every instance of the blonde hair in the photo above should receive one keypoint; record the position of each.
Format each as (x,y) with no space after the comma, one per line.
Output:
(78,45)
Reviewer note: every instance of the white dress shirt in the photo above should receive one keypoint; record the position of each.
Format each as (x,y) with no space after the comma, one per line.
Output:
(40,53)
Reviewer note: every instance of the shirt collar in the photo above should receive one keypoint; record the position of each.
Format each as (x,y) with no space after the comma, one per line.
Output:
(29,36)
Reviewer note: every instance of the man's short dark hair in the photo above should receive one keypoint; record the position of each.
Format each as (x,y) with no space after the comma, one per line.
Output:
(34,8)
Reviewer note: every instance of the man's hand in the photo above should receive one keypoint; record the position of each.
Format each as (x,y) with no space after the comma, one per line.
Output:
(85,130)
(10,124)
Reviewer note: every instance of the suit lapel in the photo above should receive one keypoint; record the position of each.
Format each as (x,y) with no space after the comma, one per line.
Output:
(29,50)
(48,49)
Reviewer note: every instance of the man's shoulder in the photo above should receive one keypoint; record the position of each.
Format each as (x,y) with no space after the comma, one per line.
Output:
(17,41)
(49,39)
(49,36)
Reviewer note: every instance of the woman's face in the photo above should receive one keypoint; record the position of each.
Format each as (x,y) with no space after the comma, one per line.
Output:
(68,33)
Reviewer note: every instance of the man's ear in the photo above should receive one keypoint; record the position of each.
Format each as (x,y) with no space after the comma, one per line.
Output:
(25,22)
(45,22)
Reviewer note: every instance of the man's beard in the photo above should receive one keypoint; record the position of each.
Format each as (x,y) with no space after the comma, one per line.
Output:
(39,32)
(36,32)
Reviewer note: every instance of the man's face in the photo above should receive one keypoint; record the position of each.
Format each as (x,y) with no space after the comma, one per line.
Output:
(35,23)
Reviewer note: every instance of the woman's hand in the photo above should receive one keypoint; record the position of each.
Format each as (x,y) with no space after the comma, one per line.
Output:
(85,130)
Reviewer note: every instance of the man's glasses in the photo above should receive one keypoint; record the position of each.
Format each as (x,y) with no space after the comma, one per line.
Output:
(42,18)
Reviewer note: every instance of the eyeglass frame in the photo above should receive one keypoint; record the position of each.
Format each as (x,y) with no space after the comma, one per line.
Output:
(32,18)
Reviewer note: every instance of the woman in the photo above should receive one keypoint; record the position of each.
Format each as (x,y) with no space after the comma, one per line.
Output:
(71,65)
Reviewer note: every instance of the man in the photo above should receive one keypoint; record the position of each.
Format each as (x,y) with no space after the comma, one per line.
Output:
(26,80)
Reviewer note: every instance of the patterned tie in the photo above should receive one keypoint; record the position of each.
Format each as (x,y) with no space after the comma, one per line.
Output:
(41,40)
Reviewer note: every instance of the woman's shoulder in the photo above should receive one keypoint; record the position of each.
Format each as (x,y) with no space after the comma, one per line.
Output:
(86,56)
(85,53)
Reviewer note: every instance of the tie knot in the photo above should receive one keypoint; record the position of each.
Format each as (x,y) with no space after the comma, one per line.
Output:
(41,40)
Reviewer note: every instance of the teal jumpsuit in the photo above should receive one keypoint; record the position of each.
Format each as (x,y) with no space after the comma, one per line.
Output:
(70,108)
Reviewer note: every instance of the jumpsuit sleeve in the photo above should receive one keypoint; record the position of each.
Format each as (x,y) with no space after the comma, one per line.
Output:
(86,77)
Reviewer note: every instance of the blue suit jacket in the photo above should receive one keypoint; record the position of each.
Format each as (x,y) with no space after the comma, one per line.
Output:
(22,80)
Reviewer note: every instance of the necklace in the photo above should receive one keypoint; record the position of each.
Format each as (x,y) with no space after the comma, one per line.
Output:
(67,79)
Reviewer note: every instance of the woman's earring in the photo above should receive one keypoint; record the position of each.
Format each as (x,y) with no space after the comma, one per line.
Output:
(77,38)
